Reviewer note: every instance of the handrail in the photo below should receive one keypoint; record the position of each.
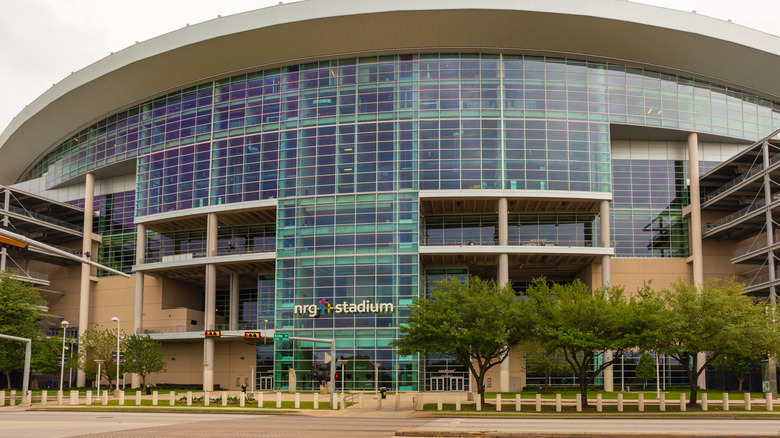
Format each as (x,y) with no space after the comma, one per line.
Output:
(752,172)
(42,217)
(733,216)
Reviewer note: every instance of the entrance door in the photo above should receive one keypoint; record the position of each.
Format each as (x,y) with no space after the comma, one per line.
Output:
(456,384)
(437,384)
(266,383)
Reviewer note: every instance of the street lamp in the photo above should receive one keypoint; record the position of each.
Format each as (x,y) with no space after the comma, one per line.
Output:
(117,351)
(376,379)
(64,325)
(99,362)
(265,327)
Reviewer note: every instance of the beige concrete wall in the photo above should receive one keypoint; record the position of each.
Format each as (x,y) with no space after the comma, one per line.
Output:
(184,359)
(516,373)
(632,272)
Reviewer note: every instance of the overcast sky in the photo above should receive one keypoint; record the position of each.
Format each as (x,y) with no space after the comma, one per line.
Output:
(43,41)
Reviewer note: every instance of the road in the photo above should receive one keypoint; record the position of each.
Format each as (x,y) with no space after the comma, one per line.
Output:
(34,424)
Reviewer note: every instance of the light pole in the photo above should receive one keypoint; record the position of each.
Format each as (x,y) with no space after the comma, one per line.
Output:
(376,379)
(265,327)
(397,384)
(62,358)
(99,362)
(117,352)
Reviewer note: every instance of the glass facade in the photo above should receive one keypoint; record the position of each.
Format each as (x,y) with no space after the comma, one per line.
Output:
(346,145)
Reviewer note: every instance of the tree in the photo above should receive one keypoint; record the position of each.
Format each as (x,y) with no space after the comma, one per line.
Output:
(738,364)
(98,344)
(546,364)
(143,356)
(645,369)
(46,355)
(477,323)
(716,318)
(582,324)
(20,306)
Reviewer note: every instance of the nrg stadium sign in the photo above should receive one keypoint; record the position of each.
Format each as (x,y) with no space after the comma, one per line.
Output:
(315,310)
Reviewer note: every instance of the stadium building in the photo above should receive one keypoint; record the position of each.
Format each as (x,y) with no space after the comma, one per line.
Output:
(311,168)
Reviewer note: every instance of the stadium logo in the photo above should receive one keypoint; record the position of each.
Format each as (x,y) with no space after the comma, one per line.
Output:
(324,306)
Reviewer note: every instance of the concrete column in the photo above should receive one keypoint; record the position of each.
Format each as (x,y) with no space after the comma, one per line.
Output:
(770,375)
(503,278)
(233,316)
(138,302)
(211,302)
(694,227)
(606,281)
(6,207)
(86,246)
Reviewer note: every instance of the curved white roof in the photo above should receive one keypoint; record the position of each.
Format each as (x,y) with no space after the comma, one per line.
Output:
(614,30)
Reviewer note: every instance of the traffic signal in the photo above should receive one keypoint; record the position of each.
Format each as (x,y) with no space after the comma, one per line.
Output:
(213,333)
(121,357)
(252,335)
(336,376)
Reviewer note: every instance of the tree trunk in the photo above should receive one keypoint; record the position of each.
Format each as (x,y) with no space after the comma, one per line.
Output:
(740,379)
(8,380)
(584,388)
(546,383)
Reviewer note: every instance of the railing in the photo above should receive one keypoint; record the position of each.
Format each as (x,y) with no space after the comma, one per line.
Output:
(760,279)
(221,251)
(174,329)
(760,203)
(42,217)
(241,326)
(756,245)
(438,241)
(752,172)
(29,274)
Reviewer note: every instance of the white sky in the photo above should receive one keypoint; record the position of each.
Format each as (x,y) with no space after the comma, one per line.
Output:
(43,41)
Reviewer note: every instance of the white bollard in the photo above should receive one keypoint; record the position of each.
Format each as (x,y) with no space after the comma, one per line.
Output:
(479,402)
(155,398)
(279,399)
(360,401)
(579,402)
(242,399)
(641,402)
(599,405)
(60,398)
(224,398)
(620,402)
(105,398)
(397,401)
(316,401)
(704,402)
(768,397)
(343,401)
(260,400)
(498,402)
(538,402)
(12,399)
(438,403)
(378,403)
(557,403)
(74,397)
(420,402)
(44,397)
(682,402)
(138,398)
(297,400)
(457,402)
(518,402)
(662,402)
(747,401)
(189,398)
(2,398)
(89,398)
(172,398)
(725,401)
(122,398)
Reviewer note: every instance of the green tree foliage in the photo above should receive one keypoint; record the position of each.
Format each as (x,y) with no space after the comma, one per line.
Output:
(546,364)
(582,324)
(143,356)
(20,306)
(717,318)
(46,355)
(477,323)
(98,344)
(645,369)
(738,364)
